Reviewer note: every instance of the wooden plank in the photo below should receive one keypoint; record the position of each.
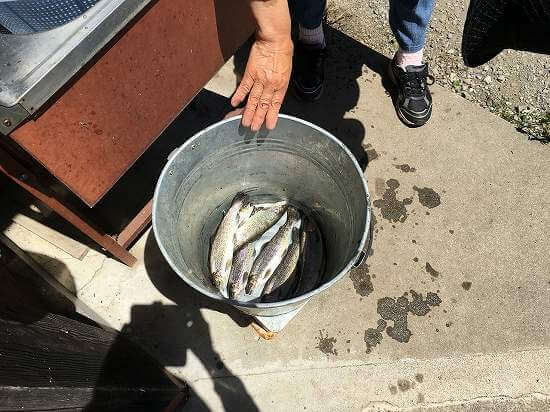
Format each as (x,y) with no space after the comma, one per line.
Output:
(78,305)
(110,115)
(52,362)
(65,243)
(136,226)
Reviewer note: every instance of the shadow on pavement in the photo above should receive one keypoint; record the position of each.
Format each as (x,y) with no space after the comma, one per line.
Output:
(174,332)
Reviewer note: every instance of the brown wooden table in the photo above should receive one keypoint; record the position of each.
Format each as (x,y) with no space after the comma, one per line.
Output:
(94,130)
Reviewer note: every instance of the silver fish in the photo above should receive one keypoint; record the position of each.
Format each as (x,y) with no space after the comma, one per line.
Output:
(273,252)
(221,250)
(260,221)
(312,259)
(283,280)
(242,263)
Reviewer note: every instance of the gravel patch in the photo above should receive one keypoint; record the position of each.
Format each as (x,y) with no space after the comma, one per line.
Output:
(514,85)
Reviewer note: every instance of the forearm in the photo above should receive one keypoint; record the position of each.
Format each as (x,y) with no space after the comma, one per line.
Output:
(272,21)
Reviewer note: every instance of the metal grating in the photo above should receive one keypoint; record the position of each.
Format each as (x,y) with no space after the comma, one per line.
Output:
(31,16)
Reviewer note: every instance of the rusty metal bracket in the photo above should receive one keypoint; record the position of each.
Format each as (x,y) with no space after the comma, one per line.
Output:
(11,117)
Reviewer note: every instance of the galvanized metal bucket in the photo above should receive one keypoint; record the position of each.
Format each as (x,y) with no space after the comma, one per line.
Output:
(297,161)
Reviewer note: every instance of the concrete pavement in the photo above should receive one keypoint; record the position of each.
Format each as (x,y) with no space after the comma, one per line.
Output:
(461,235)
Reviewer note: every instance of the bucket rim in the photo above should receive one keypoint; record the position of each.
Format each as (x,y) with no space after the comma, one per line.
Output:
(264,305)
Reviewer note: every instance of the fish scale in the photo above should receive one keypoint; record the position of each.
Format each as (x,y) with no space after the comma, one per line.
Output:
(221,250)
(260,221)
(273,252)
(242,263)
(282,281)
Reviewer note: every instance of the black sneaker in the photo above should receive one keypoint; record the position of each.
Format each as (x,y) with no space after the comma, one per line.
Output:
(414,101)
(308,75)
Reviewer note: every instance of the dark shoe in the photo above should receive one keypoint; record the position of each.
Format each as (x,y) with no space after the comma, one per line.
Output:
(414,101)
(308,75)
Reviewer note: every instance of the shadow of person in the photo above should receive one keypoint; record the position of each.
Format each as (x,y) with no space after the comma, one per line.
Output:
(173,332)
(346,62)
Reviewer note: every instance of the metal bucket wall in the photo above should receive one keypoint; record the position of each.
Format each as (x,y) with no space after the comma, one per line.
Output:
(297,161)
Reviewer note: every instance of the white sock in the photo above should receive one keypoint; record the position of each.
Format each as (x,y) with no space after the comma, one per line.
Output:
(404,59)
(313,37)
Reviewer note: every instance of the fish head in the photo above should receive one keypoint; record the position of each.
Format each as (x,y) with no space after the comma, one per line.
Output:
(246,211)
(240,199)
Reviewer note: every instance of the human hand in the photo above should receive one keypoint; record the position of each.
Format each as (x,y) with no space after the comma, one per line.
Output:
(265,82)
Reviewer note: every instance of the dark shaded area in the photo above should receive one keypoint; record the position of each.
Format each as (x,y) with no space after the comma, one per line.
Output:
(491,27)
(466,285)
(170,332)
(60,360)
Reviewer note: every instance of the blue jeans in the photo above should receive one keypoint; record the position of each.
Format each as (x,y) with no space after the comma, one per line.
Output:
(409,19)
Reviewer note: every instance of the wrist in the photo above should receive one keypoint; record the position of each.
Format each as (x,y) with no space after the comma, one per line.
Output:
(280,43)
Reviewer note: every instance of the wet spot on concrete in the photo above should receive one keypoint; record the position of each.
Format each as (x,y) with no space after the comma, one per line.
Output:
(451,231)
(393,389)
(433,273)
(419,377)
(418,306)
(404,385)
(433,299)
(415,259)
(428,197)
(449,324)
(374,336)
(414,241)
(348,350)
(326,344)
(420,398)
(361,281)
(466,285)
(379,186)
(348,341)
(397,311)
(392,209)
(405,168)
(371,153)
